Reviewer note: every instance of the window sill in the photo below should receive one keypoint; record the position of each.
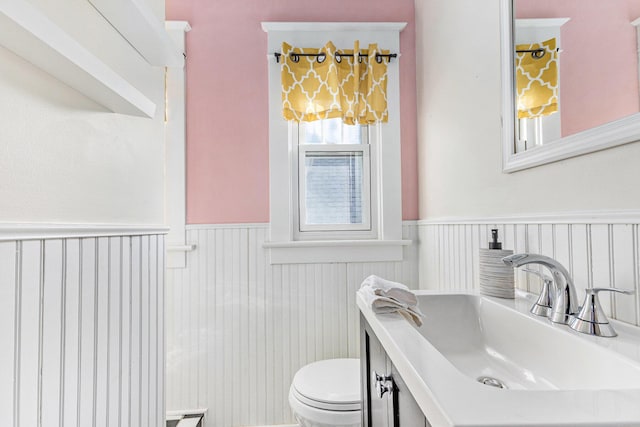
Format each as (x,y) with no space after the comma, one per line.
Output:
(328,251)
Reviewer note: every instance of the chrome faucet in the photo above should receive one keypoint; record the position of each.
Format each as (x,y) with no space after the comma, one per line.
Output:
(565,303)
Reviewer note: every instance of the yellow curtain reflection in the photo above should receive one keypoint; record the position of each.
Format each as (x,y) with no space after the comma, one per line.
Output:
(537,80)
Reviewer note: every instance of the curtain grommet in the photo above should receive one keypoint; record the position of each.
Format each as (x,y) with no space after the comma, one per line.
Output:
(538,54)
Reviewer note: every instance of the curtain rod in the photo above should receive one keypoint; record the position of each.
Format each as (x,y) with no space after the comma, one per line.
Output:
(535,53)
(320,57)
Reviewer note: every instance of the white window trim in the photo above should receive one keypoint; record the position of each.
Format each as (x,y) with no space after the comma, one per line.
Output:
(175,154)
(283,246)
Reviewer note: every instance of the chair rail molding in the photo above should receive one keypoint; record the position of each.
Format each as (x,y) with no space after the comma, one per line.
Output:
(577,217)
(35,231)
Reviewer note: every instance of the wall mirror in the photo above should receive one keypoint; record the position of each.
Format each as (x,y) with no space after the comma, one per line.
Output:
(570,78)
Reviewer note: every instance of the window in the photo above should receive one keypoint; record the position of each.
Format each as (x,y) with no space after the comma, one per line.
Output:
(333,181)
(334,190)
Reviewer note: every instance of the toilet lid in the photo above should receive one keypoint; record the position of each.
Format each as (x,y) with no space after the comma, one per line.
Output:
(329,384)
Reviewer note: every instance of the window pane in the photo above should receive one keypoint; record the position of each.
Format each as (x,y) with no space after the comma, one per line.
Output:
(331,131)
(311,132)
(352,134)
(333,187)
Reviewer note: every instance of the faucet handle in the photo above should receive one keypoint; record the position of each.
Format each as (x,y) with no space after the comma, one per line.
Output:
(591,318)
(618,290)
(542,307)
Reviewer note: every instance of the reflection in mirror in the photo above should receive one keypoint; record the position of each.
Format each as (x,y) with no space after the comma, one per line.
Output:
(537,76)
(570,78)
(594,72)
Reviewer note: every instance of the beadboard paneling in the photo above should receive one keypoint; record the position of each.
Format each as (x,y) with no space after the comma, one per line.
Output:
(67,310)
(239,328)
(596,255)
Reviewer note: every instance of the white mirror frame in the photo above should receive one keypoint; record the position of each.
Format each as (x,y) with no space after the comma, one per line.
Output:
(612,134)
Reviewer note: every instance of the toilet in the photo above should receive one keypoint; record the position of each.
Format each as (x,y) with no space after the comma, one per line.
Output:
(327,394)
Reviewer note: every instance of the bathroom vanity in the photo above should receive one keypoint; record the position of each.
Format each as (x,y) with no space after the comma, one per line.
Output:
(481,361)
(387,401)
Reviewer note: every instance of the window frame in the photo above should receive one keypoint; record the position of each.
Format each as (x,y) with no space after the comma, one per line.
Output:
(367,230)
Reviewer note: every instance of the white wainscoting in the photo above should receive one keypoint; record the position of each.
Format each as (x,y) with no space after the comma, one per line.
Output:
(597,254)
(81,327)
(238,328)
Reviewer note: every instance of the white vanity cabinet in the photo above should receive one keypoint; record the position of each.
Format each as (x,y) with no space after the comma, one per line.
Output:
(396,407)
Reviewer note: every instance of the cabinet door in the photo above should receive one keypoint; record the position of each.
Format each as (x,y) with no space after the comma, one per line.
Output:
(375,410)
(406,412)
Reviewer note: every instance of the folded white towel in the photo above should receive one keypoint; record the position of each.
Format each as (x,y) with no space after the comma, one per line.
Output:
(389,289)
(382,304)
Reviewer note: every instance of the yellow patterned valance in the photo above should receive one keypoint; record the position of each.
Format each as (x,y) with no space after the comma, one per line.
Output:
(537,80)
(334,85)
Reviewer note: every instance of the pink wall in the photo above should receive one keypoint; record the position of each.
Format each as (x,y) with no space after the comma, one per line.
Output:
(599,59)
(227,99)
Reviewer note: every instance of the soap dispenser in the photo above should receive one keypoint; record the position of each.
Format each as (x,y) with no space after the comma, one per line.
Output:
(496,278)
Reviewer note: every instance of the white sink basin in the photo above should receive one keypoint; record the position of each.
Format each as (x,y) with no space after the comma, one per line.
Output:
(553,376)
(485,338)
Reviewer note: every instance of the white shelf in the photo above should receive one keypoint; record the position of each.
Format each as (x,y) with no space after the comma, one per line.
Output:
(143,30)
(27,32)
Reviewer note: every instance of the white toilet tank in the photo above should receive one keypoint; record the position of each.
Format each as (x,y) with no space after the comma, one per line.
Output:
(327,394)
